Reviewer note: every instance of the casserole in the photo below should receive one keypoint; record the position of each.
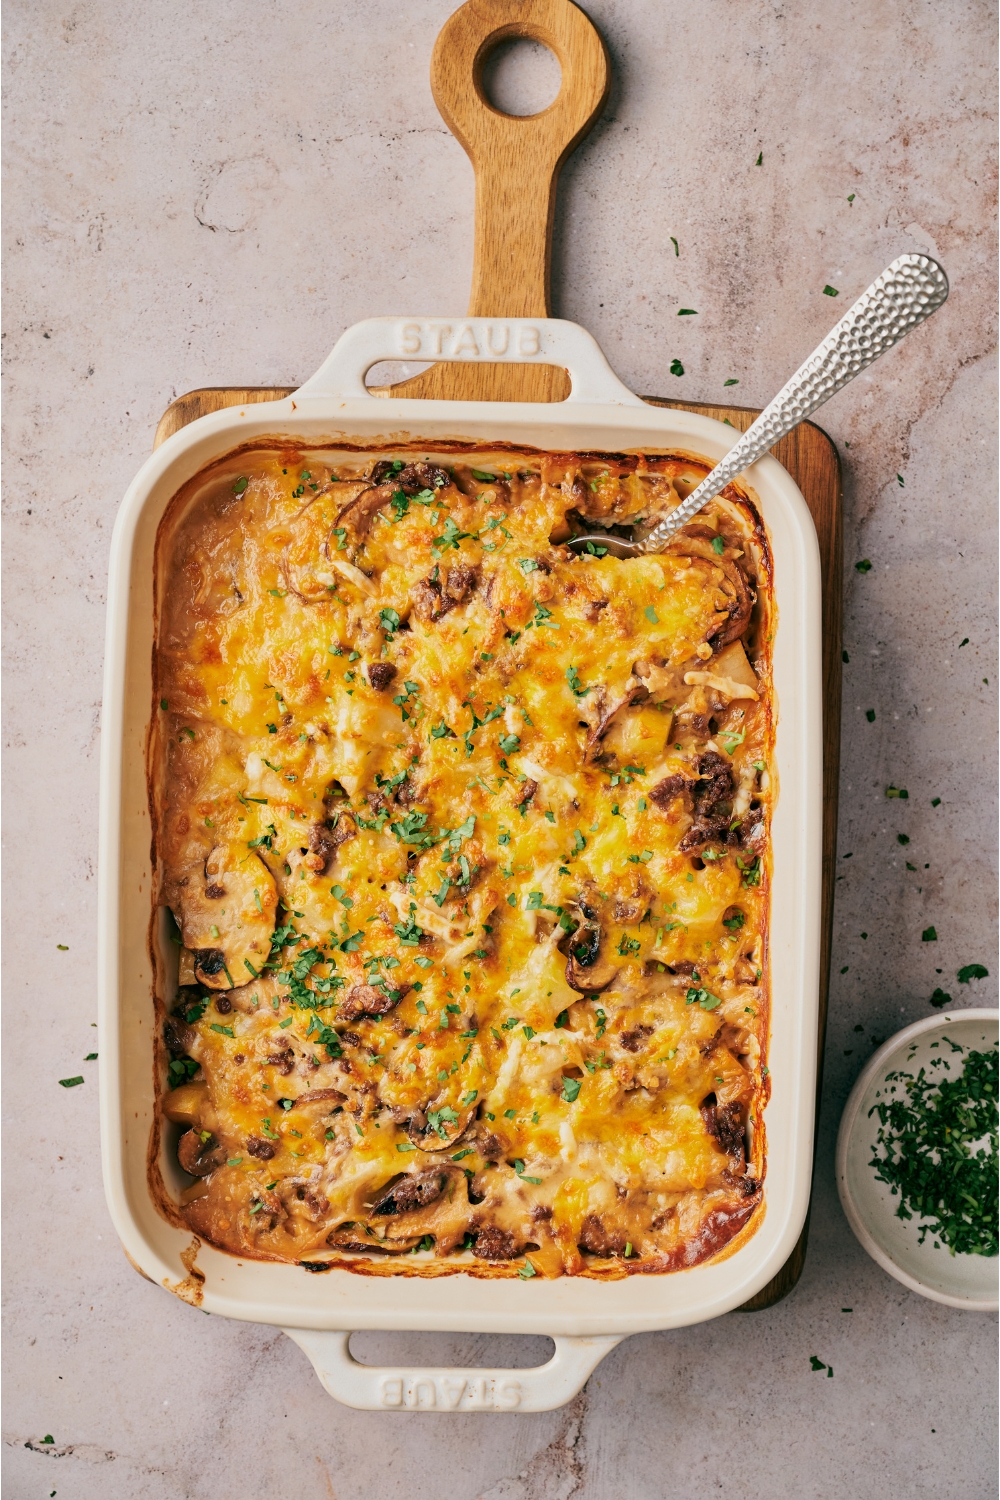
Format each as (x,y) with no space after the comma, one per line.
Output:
(465,834)
(586,1317)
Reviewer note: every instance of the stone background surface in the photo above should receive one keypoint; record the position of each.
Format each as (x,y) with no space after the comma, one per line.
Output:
(202,195)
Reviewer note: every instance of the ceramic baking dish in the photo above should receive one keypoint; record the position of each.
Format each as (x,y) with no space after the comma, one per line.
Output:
(584,1317)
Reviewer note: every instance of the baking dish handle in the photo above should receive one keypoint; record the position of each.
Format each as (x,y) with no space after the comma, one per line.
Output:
(537,341)
(371,1388)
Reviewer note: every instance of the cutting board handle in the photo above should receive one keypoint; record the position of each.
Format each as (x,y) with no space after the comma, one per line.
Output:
(516,158)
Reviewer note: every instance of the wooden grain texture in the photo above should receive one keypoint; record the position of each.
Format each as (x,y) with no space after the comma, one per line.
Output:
(516,161)
(811,459)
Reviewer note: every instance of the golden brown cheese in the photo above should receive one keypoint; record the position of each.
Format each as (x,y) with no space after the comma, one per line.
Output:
(466,840)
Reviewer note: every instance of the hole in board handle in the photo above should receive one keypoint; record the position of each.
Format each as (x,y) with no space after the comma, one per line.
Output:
(521,77)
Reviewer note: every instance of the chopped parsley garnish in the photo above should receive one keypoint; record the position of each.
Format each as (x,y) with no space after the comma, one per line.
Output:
(571,1089)
(939,1153)
(704,998)
(676,368)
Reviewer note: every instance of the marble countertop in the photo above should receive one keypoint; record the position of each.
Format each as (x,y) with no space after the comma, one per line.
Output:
(210,195)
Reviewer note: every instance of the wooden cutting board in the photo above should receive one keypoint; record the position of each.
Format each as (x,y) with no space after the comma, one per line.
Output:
(517,162)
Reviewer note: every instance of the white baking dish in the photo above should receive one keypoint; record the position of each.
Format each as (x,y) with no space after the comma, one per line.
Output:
(585,1317)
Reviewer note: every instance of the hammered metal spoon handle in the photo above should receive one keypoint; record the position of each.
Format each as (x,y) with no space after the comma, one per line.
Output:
(906,293)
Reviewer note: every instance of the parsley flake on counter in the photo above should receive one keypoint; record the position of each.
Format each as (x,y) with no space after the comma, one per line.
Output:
(864,566)
(830,291)
(870,715)
(972,971)
(929,935)
(760,160)
(687,312)
(730,382)
(676,368)
(71,1083)
(677,248)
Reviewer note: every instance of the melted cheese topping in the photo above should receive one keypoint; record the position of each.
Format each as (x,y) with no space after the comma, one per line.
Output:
(465,836)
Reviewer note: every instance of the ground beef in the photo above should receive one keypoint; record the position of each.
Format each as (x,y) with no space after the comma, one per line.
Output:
(366,1000)
(664,792)
(262,1149)
(633,1040)
(630,909)
(494,1243)
(411,479)
(325,839)
(725,1123)
(435,595)
(596,1238)
(380,674)
(713,803)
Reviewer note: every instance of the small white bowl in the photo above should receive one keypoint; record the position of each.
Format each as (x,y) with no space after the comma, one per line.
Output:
(968,1281)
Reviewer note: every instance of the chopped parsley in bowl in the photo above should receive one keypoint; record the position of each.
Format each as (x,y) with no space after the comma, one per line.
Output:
(917,1158)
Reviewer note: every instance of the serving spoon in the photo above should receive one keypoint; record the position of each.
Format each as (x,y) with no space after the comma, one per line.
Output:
(906,293)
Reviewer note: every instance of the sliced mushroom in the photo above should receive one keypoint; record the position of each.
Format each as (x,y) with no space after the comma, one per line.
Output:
(229,934)
(199,1153)
(439,1126)
(603,710)
(411,1190)
(697,540)
(587,971)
